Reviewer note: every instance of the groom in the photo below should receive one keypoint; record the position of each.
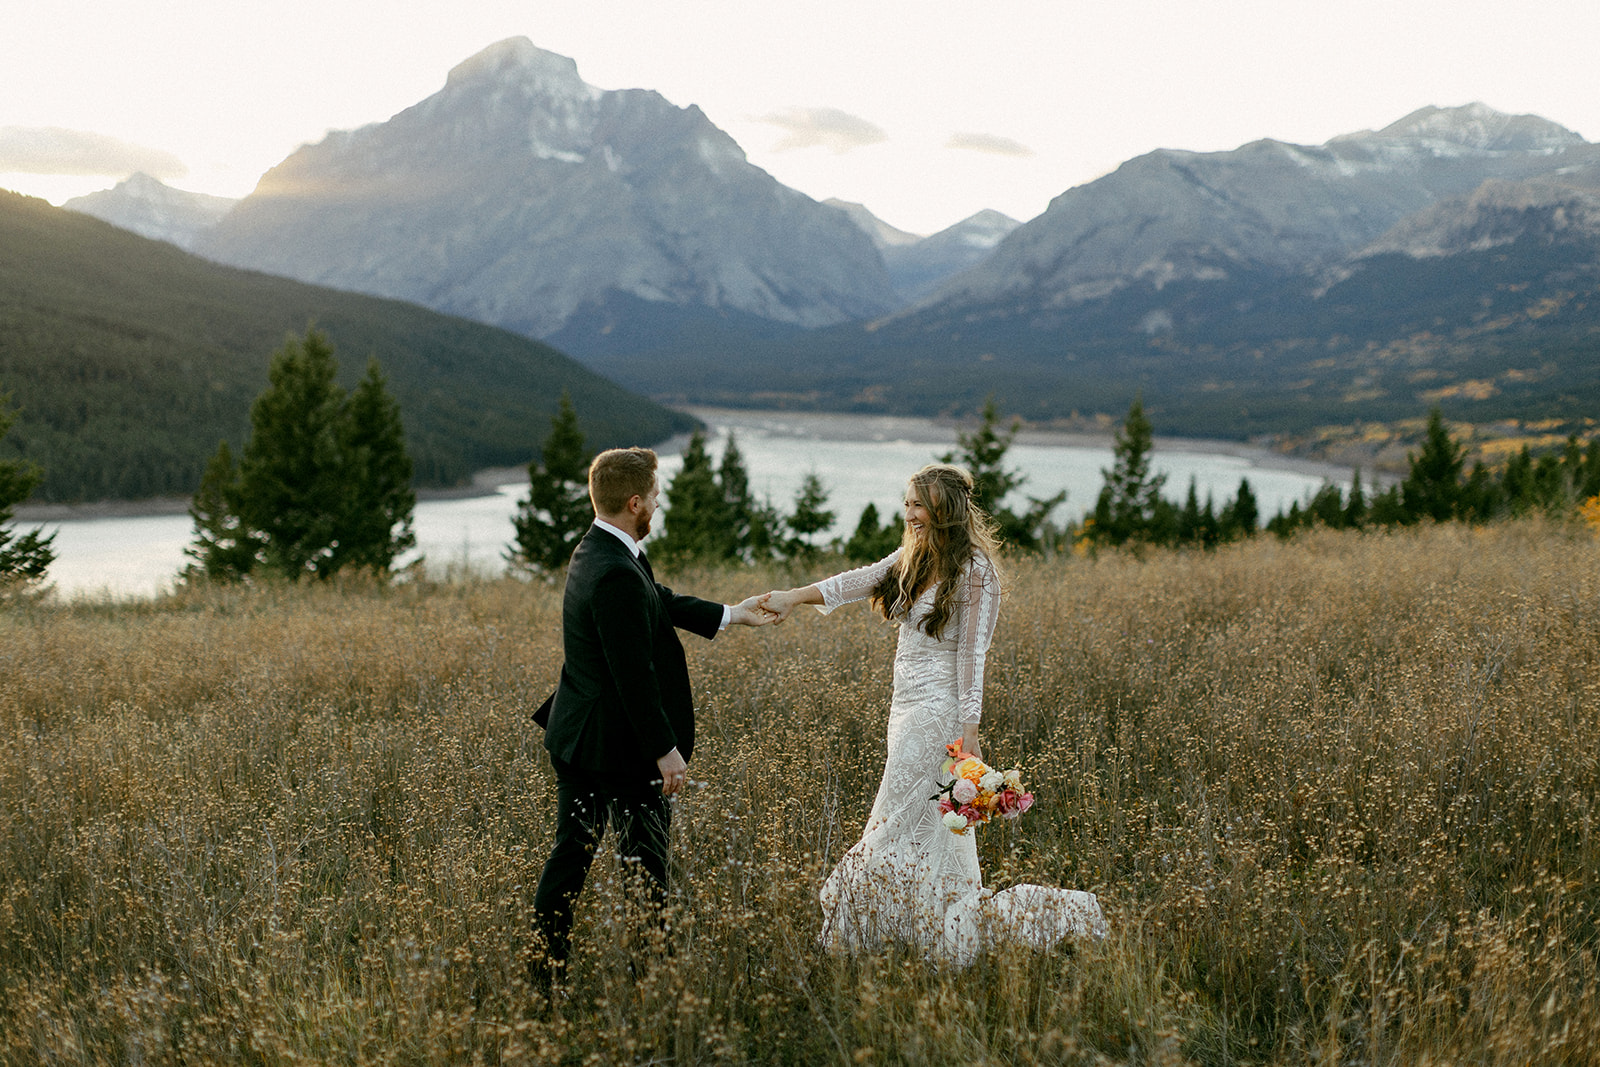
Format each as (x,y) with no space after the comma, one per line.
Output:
(620,725)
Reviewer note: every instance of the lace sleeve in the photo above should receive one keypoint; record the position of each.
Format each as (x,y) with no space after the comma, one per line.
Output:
(980,611)
(850,586)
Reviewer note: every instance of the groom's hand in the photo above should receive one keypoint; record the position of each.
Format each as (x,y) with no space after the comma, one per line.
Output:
(779,603)
(674,772)
(751,611)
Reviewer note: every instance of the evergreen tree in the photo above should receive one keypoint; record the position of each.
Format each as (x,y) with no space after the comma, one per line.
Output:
(1388,508)
(695,514)
(375,521)
(1589,485)
(872,540)
(1433,488)
(552,520)
(224,548)
(323,482)
(809,518)
(290,474)
(1241,516)
(1481,497)
(751,525)
(24,558)
(1190,526)
(982,453)
(1355,508)
(1326,507)
(1129,508)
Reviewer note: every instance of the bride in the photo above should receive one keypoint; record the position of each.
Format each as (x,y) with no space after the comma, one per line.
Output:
(910,878)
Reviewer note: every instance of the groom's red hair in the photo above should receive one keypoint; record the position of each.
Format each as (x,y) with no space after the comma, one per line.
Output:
(617,475)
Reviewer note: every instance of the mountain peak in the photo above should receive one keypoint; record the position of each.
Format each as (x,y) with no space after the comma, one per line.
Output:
(517,59)
(1475,127)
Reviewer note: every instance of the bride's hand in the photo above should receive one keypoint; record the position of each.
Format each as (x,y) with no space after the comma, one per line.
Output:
(969,740)
(781,603)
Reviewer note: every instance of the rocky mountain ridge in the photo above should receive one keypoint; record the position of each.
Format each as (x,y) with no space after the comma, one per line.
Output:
(153,209)
(518,194)
(1267,206)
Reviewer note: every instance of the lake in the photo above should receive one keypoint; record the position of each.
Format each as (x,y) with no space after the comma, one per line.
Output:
(860,459)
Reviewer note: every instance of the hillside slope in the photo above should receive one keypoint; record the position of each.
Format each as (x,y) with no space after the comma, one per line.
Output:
(130,360)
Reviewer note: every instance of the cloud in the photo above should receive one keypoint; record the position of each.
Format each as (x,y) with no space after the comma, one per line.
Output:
(53,150)
(823,127)
(988,142)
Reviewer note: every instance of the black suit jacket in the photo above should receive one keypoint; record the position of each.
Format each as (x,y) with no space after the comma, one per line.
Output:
(623,701)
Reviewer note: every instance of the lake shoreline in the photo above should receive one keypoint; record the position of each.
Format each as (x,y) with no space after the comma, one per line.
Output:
(836,426)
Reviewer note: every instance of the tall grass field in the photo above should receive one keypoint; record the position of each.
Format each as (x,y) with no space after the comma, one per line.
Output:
(1338,797)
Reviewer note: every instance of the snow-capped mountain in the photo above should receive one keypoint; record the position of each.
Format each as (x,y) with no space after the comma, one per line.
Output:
(155,210)
(1266,207)
(519,194)
(919,269)
(917,265)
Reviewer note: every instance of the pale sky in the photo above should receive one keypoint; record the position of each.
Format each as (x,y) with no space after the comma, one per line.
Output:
(924,111)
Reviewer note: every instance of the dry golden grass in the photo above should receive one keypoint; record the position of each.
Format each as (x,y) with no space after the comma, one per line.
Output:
(1337,796)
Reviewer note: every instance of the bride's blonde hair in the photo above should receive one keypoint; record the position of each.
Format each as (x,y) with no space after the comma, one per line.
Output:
(957,530)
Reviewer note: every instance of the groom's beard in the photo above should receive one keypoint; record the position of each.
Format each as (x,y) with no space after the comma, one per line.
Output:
(641,527)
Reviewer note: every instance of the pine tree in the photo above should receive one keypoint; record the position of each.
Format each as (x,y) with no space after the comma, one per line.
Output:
(24,558)
(375,520)
(982,453)
(1241,516)
(224,548)
(872,540)
(695,514)
(290,474)
(752,524)
(1129,508)
(1433,488)
(1355,509)
(323,482)
(557,511)
(810,516)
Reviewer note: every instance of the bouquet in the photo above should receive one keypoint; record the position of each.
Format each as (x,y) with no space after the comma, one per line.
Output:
(978,792)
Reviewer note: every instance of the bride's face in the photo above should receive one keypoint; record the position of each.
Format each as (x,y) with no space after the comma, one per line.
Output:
(917,516)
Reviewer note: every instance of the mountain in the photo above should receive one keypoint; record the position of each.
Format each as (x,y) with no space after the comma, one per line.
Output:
(917,265)
(155,210)
(1551,210)
(918,270)
(518,195)
(1451,258)
(883,235)
(1267,207)
(129,360)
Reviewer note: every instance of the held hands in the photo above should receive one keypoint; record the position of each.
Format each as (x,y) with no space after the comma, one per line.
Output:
(779,603)
(751,611)
(772,607)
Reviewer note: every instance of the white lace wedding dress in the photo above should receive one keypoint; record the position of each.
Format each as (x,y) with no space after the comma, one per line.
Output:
(909,878)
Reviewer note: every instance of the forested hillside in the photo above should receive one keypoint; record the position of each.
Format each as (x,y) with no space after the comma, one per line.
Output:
(130,359)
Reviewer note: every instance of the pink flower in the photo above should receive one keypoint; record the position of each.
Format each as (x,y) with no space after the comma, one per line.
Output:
(974,816)
(1024,803)
(963,792)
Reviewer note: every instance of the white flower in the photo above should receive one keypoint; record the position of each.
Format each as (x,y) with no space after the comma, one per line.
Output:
(954,820)
(1013,778)
(993,781)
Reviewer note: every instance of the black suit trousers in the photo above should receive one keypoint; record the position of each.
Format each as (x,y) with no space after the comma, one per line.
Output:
(585,802)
